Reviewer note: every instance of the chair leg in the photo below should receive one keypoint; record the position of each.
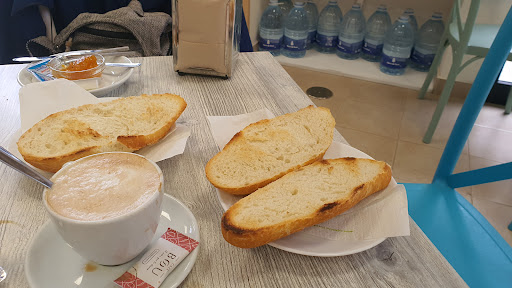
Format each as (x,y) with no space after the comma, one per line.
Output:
(433,68)
(445,95)
(508,105)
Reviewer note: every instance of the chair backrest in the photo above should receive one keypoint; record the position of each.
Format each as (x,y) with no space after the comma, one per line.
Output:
(475,100)
(464,26)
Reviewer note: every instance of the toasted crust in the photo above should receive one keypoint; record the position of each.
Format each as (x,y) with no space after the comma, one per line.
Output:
(76,125)
(53,164)
(140,141)
(249,234)
(245,149)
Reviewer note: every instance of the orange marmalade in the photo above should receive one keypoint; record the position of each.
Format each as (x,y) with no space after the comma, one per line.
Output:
(81,68)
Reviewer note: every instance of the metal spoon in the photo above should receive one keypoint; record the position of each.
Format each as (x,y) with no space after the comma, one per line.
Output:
(20,166)
(3,274)
(126,65)
(124,50)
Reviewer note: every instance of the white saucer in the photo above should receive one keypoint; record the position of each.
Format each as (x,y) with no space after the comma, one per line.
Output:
(308,244)
(111,78)
(50,262)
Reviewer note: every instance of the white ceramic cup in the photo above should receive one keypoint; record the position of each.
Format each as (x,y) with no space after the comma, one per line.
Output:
(111,241)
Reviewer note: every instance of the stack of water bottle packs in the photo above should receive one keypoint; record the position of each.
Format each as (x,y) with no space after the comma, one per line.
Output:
(292,29)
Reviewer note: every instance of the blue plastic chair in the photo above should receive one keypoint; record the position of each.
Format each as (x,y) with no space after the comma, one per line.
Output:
(466,239)
(465,37)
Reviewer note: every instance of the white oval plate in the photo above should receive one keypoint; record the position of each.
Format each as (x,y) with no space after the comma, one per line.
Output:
(311,245)
(111,78)
(50,262)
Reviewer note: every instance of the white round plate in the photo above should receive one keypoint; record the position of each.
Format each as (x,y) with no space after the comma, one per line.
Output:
(111,78)
(311,245)
(50,262)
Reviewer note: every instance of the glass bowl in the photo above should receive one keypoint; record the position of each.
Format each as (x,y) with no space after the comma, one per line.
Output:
(60,66)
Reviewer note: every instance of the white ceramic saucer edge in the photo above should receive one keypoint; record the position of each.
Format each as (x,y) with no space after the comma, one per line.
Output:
(185,266)
(306,244)
(24,74)
(104,90)
(362,245)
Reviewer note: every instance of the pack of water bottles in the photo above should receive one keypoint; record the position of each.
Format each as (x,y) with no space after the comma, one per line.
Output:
(405,44)
(291,29)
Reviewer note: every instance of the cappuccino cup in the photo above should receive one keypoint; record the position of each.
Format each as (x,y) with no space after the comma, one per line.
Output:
(106,206)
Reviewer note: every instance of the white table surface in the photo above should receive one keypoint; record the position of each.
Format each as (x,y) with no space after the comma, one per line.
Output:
(258,82)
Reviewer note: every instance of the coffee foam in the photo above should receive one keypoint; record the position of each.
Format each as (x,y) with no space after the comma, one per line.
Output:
(103,186)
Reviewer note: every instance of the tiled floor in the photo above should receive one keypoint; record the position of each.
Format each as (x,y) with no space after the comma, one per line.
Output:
(388,123)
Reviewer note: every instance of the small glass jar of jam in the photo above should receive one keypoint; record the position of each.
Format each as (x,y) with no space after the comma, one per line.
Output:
(77,67)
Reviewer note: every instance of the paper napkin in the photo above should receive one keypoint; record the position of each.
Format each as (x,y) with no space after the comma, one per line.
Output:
(383,214)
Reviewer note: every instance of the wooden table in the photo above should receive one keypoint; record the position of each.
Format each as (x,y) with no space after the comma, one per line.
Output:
(258,82)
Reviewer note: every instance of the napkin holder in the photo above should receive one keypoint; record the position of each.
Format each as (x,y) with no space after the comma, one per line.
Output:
(206,36)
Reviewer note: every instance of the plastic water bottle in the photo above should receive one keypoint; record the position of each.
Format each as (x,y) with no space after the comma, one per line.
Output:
(286,6)
(376,28)
(397,47)
(412,19)
(351,35)
(312,13)
(427,41)
(271,29)
(295,32)
(414,24)
(329,23)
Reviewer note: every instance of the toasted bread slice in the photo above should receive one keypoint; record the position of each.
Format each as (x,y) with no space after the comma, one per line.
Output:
(305,197)
(266,150)
(126,124)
